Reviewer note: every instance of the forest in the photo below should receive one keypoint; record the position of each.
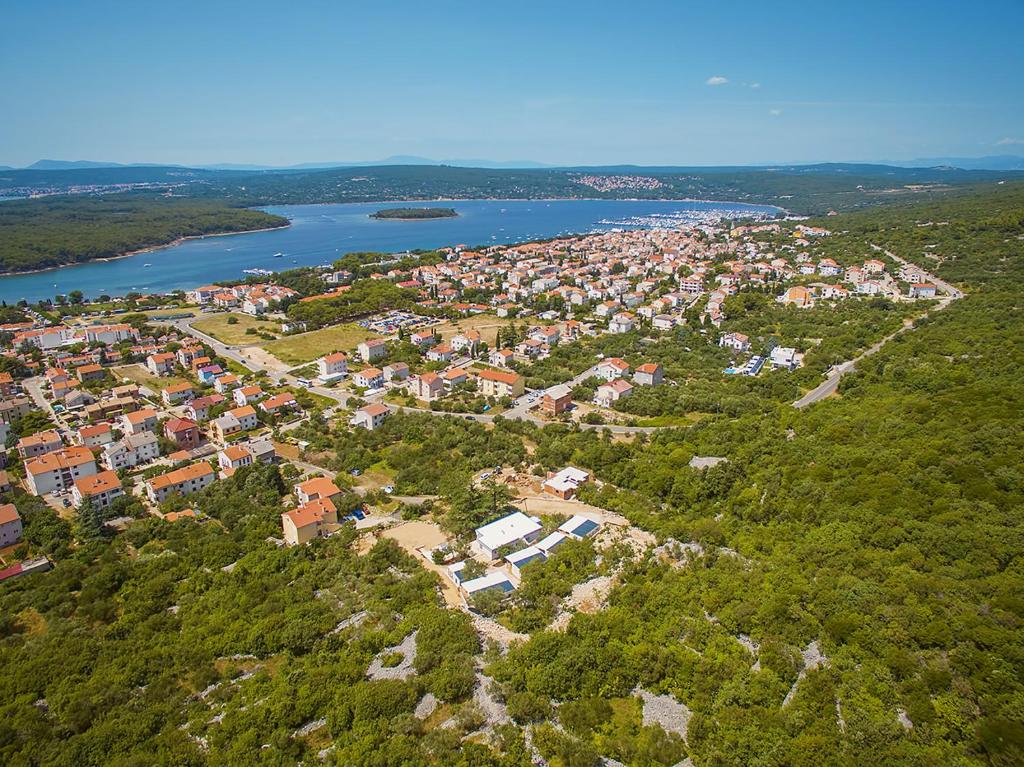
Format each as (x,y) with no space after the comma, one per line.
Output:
(57,231)
(850,592)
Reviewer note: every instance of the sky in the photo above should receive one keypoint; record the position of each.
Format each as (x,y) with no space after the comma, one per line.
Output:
(563,83)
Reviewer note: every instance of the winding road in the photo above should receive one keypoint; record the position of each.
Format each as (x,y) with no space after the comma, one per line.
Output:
(827,387)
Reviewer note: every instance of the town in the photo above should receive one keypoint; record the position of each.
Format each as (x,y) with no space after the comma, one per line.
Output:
(129,419)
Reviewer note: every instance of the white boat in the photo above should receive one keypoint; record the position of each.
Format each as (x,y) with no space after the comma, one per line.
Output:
(278,255)
(144,266)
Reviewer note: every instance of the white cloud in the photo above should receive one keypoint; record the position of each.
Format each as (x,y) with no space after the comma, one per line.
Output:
(775,112)
(755,85)
(1009,141)
(717,80)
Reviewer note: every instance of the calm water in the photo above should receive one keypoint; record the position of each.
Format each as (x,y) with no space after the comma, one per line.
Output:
(321,233)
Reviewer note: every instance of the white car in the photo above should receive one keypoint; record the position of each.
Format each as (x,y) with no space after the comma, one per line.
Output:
(389,489)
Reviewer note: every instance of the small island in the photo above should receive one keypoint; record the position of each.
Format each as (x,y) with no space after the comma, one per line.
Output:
(414,214)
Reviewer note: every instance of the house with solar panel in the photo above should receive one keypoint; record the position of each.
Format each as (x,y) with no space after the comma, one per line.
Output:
(496,579)
(517,560)
(579,527)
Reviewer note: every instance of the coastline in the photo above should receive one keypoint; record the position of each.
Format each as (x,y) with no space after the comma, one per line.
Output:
(147,249)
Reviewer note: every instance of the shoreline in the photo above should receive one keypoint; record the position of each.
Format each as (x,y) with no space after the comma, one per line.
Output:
(140,251)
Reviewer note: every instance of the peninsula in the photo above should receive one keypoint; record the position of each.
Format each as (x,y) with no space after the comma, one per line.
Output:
(414,214)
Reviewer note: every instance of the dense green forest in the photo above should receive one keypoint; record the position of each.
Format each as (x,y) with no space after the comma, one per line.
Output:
(851,593)
(56,231)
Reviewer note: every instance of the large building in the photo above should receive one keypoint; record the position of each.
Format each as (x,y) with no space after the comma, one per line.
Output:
(59,470)
(500,383)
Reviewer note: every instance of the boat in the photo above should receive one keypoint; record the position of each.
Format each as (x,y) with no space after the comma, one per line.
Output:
(144,266)
(278,255)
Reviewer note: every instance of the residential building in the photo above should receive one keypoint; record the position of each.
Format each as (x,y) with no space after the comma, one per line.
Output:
(95,436)
(332,367)
(246,395)
(371,378)
(316,488)
(566,482)
(371,416)
(175,393)
(199,408)
(139,420)
(184,481)
(233,458)
(13,408)
(648,374)
(784,357)
(39,443)
(373,349)
(396,371)
(556,400)
(102,489)
(426,387)
(183,432)
(579,527)
(735,341)
(59,470)
(234,421)
(501,357)
(518,560)
(131,451)
(279,403)
(611,368)
(91,372)
(501,383)
(223,384)
(313,519)
(515,528)
(10,525)
(161,364)
(611,392)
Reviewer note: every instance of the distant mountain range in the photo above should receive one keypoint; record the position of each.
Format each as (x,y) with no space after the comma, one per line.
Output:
(992,162)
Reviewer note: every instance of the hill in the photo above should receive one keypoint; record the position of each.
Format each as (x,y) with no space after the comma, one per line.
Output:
(57,231)
(803,189)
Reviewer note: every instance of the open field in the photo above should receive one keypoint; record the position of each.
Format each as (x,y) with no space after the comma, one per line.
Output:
(140,375)
(486,324)
(234,334)
(305,347)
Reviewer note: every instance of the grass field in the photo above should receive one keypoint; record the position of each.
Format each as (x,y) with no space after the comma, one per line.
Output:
(140,375)
(234,335)
(306,347)
(487,324)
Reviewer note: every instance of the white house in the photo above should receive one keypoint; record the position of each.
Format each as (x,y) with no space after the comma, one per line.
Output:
(332,367)
(735,341)
(371,350)
(371,416)
(513,528)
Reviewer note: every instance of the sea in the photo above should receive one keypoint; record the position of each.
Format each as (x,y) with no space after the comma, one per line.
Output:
(319,234)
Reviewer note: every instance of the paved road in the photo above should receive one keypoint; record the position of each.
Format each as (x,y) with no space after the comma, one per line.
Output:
(831,382)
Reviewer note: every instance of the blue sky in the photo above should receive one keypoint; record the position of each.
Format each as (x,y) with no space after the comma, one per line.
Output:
(555,82)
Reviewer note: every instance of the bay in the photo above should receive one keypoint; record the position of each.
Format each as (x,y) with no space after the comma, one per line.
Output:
(319,234)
